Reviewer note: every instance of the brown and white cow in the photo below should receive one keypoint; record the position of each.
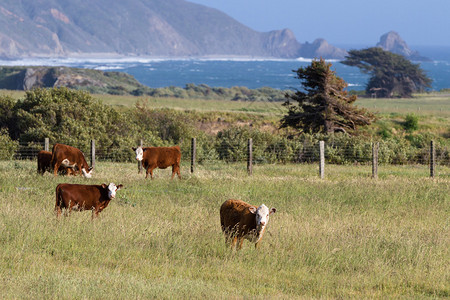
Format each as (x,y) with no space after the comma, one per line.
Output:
(44,159)
(69,157)
(240,220)
(84,197)
(159,157)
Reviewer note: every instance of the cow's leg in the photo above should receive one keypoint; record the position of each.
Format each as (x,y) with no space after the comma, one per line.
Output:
(233,243)
(257,244)
(151,172)
(176,169)
(39,169)
(55,169)
(178,172)
(146,173)
(240,242)
(58,211)
(173,171)
(95,213)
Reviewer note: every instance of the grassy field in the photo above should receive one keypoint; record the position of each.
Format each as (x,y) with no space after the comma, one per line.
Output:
(436,104)
(348,236)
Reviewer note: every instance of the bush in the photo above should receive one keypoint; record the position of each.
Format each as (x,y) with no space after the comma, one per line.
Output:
(411,122)
(8,147)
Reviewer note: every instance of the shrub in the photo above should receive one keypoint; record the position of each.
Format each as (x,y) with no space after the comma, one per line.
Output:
(8,147)
(411,122)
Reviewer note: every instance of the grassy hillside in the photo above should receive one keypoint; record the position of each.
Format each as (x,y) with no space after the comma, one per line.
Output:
(343,237)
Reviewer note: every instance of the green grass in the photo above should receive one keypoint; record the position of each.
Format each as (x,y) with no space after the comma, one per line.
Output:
(434,104)
(347,236)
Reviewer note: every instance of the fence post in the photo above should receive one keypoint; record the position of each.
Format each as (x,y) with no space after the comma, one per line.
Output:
(92,153)
(46,144)
(193,153)
(375,147)
(140,162)
(322,159)
(250,157)
(432,159)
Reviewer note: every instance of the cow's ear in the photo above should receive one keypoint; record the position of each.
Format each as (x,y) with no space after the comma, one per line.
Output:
(119,187)
(272,210)
(252,209)
(134,148)
(144,149)
(90,169)
(104,185)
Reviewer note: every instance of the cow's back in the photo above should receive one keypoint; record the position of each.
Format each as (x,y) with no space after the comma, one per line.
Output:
(233,212)
(60,152)
(83,195)
(163,157)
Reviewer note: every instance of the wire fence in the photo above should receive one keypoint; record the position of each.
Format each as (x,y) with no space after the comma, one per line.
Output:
(263,153)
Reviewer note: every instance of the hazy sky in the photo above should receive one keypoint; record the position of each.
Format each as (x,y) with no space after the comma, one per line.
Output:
(343,22)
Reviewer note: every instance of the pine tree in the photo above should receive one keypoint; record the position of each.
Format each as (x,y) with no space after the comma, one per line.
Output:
(391,74)
(323,106)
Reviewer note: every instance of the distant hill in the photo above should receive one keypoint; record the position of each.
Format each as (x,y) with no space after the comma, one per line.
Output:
(34,28)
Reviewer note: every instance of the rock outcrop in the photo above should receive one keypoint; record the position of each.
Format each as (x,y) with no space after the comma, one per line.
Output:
(321,48)
(27,78)
(392,42)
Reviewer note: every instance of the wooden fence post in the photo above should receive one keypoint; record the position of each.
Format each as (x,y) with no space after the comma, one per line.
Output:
(375,147)
(322,159)
(432,159)
(140,162)
(92,153)
(250,157)
(193,153)
(46,144)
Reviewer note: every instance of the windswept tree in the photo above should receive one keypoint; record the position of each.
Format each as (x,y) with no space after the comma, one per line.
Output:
(392,75)
(323,105)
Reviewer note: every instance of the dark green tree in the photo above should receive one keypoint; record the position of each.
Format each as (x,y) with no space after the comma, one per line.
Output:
(392,75)
(323,106)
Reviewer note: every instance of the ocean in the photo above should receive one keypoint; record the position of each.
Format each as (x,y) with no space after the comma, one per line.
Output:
(229,72)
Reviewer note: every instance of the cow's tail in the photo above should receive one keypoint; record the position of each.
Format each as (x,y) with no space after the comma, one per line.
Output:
(58,202)
(53,159)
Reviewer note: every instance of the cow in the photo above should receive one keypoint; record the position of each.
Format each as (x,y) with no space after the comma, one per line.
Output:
(159,157)
(240,220)
(69,157)
(44,159)
(84,197)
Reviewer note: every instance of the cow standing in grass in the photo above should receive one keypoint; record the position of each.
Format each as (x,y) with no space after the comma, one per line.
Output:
(240,220)
(44,160)
(69,157)
(84,197)
(159,157)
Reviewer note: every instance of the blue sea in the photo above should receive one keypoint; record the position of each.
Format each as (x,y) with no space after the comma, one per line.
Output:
(229,72)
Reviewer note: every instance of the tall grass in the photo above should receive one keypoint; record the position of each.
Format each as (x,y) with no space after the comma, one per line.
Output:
(344,237)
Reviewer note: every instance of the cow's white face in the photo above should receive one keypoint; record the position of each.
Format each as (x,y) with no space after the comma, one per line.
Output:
(88,173)
(112,188)
(139,153)
(262,214)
